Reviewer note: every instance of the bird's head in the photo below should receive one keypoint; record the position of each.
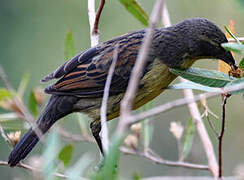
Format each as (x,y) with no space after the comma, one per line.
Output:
(205,39)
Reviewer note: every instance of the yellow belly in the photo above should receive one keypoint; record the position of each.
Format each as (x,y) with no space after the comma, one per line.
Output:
(152,84)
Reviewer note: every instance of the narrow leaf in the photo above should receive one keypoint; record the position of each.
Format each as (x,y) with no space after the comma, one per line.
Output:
(23,83)
(109,169)
(204,77)
(65,154)
(33,103)
(50,153)
(234,83)
(232,35)
(241,64)
(147,125)
(69,46)
(192,85)
(188,138)
(238,48)
(76,171)
(4,94)
(136,10)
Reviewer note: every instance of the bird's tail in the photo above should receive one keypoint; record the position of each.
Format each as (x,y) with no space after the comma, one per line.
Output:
(57,107)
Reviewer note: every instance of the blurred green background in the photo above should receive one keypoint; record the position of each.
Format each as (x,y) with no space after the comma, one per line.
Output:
(32,34)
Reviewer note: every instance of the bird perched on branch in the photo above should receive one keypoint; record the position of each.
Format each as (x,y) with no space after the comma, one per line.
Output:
(82,79)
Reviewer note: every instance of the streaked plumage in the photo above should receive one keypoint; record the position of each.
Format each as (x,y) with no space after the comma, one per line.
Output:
(82,79)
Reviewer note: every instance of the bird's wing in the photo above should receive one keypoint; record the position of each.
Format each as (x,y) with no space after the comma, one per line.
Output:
(85,75)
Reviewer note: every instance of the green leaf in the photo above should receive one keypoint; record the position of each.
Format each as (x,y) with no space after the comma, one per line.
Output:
(136,10)
(241,64)
(137,176)
(51,149)
(188,138)
(76,171)
(111,159)
(4,93)
(23,83)
(65,154)
(192,85)
(232,35)
(204,77)
(147,130)
(69,46)
(235,47)
(234,83)
(33,103)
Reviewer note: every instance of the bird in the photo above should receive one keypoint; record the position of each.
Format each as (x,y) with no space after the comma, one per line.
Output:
(81,80)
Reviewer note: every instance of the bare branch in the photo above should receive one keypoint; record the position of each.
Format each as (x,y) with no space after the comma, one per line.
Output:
(202,132)
(221,135)
(5,137)
(99,11)
(180,102)
(159,160)
(165,15)
(92,15)
(28,167)
(74,137)
(104,129)
(127,102)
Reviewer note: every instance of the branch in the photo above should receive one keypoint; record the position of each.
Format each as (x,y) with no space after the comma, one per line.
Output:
(224,100)
(28,167)
(159,160)
(180,102)
(207,144)
(127,102)
(92,14)
(99,11)
(75,137)
(233,40)
(5,137)
(104,129)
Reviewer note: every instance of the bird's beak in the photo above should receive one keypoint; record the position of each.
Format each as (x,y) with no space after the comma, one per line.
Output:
(229,59)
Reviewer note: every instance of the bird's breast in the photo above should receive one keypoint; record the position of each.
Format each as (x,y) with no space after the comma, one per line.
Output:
(153,83)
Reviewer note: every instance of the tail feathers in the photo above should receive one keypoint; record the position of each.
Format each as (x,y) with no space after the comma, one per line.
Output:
(24,146)
(57,107)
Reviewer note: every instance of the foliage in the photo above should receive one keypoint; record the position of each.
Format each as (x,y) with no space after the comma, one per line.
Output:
(136,10)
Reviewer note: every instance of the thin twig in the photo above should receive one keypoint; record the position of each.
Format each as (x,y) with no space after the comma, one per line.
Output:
(180,102)
(98,14)
(207,144)
(28,167)
(104,129)
(5,137)
(127,102)
(92,15)
(19,104)
(211,124)
(233,40)
(75,137)
(159,160)
(224,100)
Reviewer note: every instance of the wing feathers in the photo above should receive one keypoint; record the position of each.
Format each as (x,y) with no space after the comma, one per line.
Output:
(71,64)
(85,74)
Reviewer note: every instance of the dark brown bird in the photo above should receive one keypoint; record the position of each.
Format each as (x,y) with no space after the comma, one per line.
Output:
(82,79)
